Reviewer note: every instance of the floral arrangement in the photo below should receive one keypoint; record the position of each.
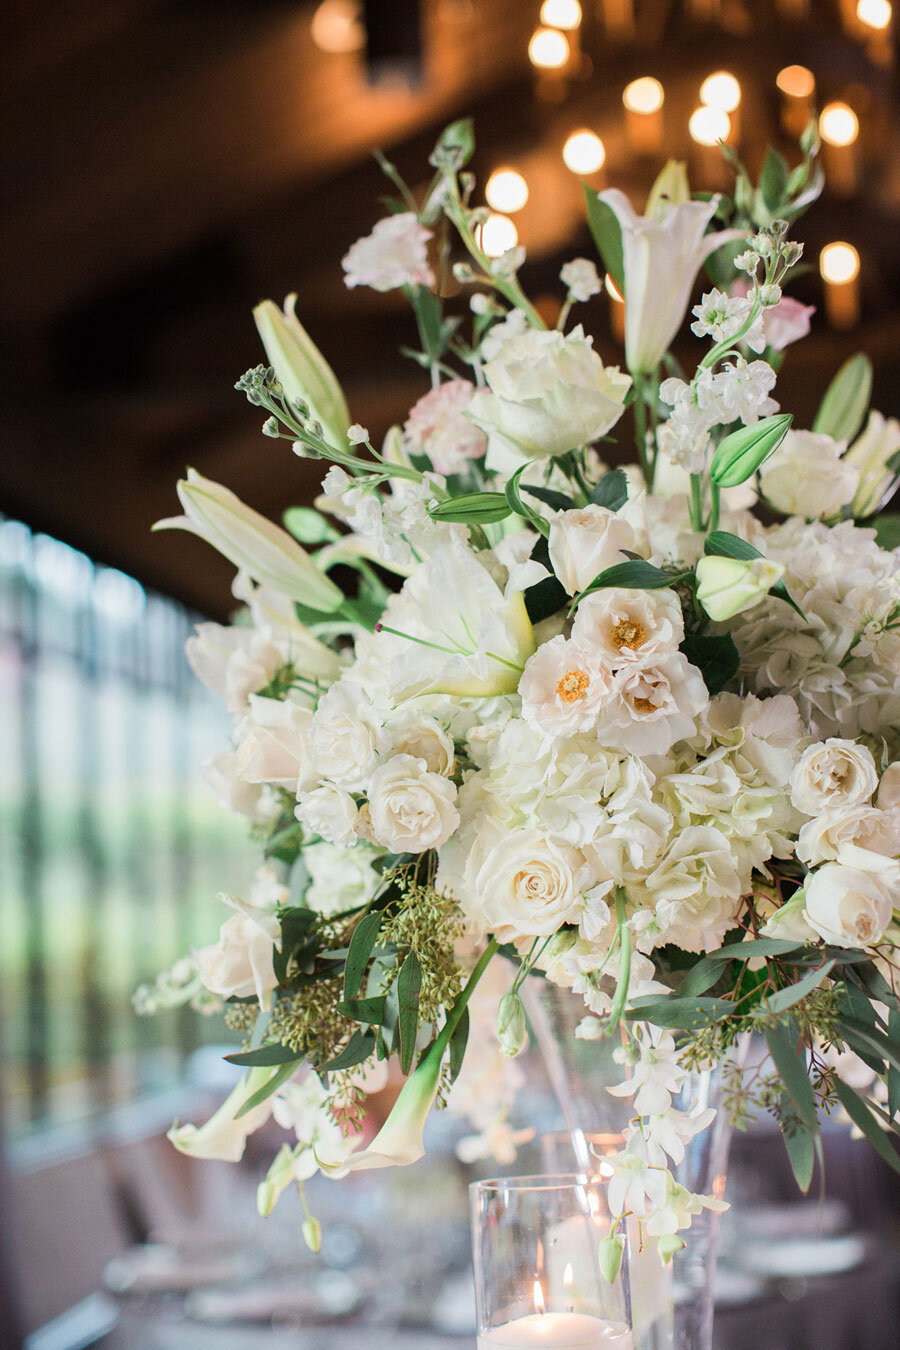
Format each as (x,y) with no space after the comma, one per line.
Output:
(635,729)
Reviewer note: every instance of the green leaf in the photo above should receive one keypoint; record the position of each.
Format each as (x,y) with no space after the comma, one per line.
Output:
(472,508)
(611,491)
(800,1145)
(741,453)
(869,1041)
(263,1057)
(369,1010)
(409,985)
(783,999)
(358,1048)
(887,529)
(861,1115)
(309,526)
(607,235)
(558,500)
(458,1042)
(364,938)
(513,496)
(455,145)
(746,951)
(545,598)
(716,657)
(846,399)
(296,925)
(794,1075)
(893,1074)
(285,845)
(635,575)
(678,1014)
(773,181)
(700,977)
(280,1076)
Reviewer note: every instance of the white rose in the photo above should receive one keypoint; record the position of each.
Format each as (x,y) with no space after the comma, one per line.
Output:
(889,788)
(562,691)
(696,891)
(330,813)
(547,394)
(526,885)
(208,651)
(584,542)
(617,626)
(828,834)
(652,705)
(240,965)
(346,736)
(846,906)
(274,742)
(231,791)
(832,774)
(424,738)
(807,476)
(411,809)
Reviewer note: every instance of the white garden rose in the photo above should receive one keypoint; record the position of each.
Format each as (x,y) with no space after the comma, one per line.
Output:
(889,787)
(230,790)
(652,705)
(562,691)
(526,885)
(424,738)
(329,812)
(240,964)
(831,774)
(273,744)
(695,890)
(848,907)
(347,736)
(807,476)
(584,542)
(547,393)
(824,838)
(411,809)
(617,626)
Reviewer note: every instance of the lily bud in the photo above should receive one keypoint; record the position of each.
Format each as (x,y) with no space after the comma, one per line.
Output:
(728,586)
(843,408)
(512,1029)
(877,453)
(609,1256)
(739,456)
(304,374)
(670,188)
(254,544)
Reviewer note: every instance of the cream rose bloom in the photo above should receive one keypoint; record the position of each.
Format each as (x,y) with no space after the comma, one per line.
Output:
(618,626)
(273,744)
(562,691)
(547,393)
(832,774)
(240,964)
(346,736)
(828,834)
(889,788)
(526,885)
(329,812)
(584,542)
(846,906)
(422,737)
(807,476)
(411,809)
(652,705)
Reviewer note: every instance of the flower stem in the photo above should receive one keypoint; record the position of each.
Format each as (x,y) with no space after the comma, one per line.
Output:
(696,501)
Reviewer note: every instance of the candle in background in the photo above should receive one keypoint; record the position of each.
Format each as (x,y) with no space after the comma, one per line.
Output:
(616,309)
(618,17)
(506,190)
(584,153)
(722,91)
(707,127)
(558,1331)
(874,17)
(793,9)
(839,129)
(643,99)
(565,15)
(550,54)
(798,87)
(497,234)
(839,266)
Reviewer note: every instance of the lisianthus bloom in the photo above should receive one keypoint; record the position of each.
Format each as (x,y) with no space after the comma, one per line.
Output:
(393,255)
(437,428)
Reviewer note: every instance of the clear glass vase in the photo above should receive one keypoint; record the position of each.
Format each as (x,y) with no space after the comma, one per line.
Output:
(672,1308)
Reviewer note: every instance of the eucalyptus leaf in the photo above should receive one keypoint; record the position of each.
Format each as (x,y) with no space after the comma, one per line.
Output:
(358,1048)
(369,1010)
(458,1042)
(409,986)
(861,1115)
(785,998)
(800,1144)
(679,1014)
(364,938)
(281,1075)
(794,1075)
(746,951)
(264,1057)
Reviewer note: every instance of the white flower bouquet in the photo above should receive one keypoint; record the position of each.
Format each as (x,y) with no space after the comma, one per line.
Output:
(636,729)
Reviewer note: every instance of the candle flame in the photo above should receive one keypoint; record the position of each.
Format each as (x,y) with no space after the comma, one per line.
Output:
(568,1277)
(538,1298)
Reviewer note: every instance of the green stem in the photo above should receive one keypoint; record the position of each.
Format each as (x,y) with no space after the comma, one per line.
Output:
(715,495)
(640,429)
(507,286)
(696,501)
(624,938)
(459,1007)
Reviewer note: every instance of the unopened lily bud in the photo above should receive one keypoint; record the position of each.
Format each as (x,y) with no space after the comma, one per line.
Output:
(728,586)
(876,451)
(312,1233)
(742,452)
(302,370)
(609,1256)
(512,1029)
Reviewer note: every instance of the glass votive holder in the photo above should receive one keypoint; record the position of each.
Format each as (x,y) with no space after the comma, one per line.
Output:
(579,1151)
(537,1255)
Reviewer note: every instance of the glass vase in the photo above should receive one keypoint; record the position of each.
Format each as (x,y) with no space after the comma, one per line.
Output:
(672,1308)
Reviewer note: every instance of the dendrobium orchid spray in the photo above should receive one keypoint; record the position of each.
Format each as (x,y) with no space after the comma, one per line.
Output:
(635,730)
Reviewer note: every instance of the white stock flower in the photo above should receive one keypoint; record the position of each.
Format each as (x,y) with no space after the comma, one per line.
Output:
(662,255)
(695,890)
(580,277)
(423,737)
(618,626)
(329,812)
(870,453)
(411,809)
(395,254)
(437,428)
(833,774)
(738,392)
(346,736)
(526,885)
(807,476)
(585,541)
(547,393)
(652,704)
(720,317)
(240,965)
(562,690)
(848,907)
(273,745)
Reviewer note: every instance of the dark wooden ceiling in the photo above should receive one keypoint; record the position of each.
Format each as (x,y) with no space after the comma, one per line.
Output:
(164,164)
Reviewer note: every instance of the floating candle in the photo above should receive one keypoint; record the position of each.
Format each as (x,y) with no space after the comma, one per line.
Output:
(558,1331)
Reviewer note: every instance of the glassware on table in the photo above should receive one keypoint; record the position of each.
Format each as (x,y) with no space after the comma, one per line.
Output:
(537,1244)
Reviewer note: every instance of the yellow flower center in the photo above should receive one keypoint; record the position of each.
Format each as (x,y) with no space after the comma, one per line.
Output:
(629,633)
(643,705)
(572,686)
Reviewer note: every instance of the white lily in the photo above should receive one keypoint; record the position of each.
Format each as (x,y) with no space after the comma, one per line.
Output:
(662,255)
(301,368)
(872,451)
(224,1135)
(264,551)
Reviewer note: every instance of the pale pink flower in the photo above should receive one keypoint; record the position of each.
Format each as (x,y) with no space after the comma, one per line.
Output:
(437,427)
(562,689)
(393,255)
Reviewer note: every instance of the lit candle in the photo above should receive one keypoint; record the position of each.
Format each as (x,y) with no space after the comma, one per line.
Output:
(797,85)
(643,101)
(559,1331)
(839,129)
(839,266)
